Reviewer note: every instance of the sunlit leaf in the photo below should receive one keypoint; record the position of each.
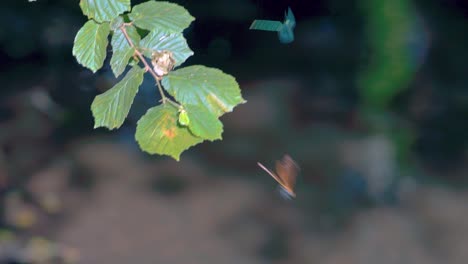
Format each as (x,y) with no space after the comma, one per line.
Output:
(210,88)
(104,10)
(90,45)
(122,51)
(165,16)
(203,123)
(174,42)
(111,108)
(158,132)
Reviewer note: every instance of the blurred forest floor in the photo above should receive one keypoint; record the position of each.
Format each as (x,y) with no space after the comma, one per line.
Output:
(211,219)
(99,200)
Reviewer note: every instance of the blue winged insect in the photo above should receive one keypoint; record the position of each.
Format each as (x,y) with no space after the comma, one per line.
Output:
(285,30)
(286,174)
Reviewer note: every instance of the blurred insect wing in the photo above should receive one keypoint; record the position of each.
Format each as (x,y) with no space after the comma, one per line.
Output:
(289,19)
(272,174)
(286,174)
(285,30)
(287,171)
(285,194)
(267,25)
(286,35)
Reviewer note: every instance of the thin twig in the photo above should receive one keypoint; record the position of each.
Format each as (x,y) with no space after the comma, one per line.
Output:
(166,99)
(147,66)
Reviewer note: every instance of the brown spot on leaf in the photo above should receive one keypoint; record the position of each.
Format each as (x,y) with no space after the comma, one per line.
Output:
(170,132)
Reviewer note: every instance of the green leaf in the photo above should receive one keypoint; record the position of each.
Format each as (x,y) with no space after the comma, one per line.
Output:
(174,42)
(158,132)
(166,16)
(203,123)
(122,51)
(111,108)
(184,120)
(116,23)
(210,88)
(90,45)
(104,10)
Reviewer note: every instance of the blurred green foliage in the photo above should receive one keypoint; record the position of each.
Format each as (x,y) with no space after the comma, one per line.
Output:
(390,69)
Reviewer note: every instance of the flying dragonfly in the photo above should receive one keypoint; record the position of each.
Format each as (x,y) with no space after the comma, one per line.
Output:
(285,30)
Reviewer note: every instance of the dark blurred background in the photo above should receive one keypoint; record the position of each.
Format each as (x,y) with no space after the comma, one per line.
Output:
(370,99)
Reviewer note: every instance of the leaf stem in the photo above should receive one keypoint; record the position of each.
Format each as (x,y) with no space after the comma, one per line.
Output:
(165,99)
(174,103)
(147,66)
